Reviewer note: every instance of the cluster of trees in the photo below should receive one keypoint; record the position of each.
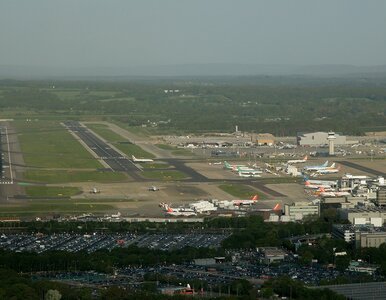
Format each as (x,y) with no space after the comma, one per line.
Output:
(286,287)
(16,287)
(276,108)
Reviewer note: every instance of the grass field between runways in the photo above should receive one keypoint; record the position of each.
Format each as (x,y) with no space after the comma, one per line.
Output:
(241,191)
(48,144)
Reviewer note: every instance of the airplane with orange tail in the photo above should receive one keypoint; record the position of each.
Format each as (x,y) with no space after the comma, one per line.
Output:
(253,200)
(297,161)
(323,193)
(277,207)
(329,170)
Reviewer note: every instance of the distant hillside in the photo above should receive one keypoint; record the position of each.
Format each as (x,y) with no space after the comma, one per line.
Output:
(34,72)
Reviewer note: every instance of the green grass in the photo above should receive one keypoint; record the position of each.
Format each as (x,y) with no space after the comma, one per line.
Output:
(48,144)
(120,142)
(240,191)
(51,191)
(60,176)
(183,152)
(164,175)
(155,166)
(35,208)
(166,147)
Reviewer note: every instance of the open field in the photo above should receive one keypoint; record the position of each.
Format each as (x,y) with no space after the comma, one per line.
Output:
(51,191)
(62,176)
(47,144)
(39,208)
(241,191)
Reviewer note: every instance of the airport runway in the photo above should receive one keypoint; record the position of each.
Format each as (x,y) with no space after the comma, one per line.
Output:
(180,165)
(111,157)
(119,163)
(362,168)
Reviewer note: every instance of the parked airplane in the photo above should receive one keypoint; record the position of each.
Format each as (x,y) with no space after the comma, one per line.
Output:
(248,170)
(297,161)
(324,193)
(316,167)
(232,167)
(179,211)
(329,170)
(326,182)
(249,174)
(141,159)
(94,190)
(253,200)
(315,186)
(153,188)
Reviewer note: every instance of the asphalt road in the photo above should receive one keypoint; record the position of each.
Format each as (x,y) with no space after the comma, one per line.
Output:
(111,157)
(362,168)
(119,163)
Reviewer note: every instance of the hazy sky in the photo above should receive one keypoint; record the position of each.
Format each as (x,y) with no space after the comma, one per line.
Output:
(88,33)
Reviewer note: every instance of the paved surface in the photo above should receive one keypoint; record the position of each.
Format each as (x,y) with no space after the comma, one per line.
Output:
(362,168)
(370,290)
(110,156)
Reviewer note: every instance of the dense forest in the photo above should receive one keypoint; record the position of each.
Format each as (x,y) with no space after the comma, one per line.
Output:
(201,106)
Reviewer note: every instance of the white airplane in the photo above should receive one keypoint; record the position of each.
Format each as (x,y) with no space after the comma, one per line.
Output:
(118,215)
(249,174)
(141,159)
(326,182)
(232,167)
(153,188)
(329,170)
(316,167)
(297,161)
(94,190)
(253,200)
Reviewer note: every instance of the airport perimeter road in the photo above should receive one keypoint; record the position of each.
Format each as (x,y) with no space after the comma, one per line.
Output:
(362,168)
(111,157)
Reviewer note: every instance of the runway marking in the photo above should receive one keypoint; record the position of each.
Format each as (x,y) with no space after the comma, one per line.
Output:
(9,156)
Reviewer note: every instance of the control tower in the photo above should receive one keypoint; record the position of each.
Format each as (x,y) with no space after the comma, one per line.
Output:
(331,138)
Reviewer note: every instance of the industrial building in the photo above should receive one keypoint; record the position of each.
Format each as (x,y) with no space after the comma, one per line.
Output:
(272,254)
(364,216)
(381,196)
(364,236)
(265,139)
(319,138)
(297,210)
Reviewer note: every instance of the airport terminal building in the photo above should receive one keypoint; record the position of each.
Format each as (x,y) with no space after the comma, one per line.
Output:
(318,138)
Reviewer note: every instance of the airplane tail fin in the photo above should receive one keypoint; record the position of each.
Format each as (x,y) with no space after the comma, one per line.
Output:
(133,157)
(325,164)
(305,178)
(305,158)
(277,207)
(307,182)
(255,198)
(332,166)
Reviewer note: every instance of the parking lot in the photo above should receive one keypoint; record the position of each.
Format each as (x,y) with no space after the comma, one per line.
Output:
(93,242)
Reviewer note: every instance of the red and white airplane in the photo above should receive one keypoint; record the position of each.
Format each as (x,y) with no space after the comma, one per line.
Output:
(253,200)
(315,186)
(324,193)
(297,161)
(179,211)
